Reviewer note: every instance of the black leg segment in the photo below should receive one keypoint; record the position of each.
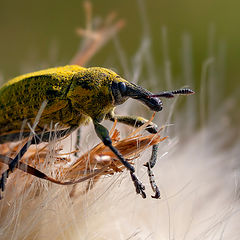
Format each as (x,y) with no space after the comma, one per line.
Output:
(103,134)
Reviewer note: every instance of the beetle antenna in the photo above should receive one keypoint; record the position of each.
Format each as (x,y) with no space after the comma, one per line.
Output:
(171,94)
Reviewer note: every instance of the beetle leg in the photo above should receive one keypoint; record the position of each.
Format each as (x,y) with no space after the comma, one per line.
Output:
(135,121)
(36,139)
(103,134)
(153,158)
(14,163)
(150,164)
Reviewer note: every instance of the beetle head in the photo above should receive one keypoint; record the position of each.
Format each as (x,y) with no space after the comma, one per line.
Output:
(122,90)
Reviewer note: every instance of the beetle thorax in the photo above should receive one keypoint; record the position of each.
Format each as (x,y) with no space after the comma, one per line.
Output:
(90,94)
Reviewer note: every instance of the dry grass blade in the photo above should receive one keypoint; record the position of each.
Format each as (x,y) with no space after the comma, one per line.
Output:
(101,156)
(95,36)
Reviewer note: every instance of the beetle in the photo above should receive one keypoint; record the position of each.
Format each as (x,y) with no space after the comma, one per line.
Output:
(75,96)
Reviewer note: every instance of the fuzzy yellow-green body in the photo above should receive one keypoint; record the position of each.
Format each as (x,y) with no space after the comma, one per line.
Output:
(74,96)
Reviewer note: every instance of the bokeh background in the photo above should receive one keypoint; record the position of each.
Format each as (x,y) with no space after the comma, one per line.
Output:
(37,34)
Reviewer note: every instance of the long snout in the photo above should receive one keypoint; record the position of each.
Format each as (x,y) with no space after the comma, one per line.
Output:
(136,92)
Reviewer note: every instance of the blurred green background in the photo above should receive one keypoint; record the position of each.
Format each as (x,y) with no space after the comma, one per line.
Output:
(39,34)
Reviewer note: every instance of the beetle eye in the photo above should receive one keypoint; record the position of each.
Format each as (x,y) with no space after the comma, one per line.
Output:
(122,88)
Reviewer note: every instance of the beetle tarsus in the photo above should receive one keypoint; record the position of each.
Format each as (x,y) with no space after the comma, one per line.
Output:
(157,193)
(152,181)
(138,185)
(149,166)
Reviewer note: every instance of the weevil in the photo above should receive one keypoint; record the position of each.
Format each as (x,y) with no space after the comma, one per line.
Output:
(75,96)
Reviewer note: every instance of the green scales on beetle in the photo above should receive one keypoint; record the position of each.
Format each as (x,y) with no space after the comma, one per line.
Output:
(74,96)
